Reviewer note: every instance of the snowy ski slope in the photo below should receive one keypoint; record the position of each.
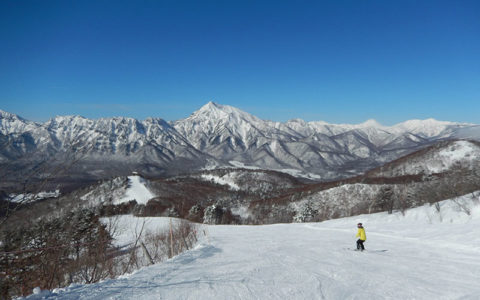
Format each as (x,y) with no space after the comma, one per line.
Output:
(430,254)
(136,191)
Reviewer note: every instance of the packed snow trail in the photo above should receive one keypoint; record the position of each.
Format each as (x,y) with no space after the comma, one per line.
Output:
(136,191)
(426,259)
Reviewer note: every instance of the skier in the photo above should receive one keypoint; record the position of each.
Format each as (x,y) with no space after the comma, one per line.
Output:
(362,237)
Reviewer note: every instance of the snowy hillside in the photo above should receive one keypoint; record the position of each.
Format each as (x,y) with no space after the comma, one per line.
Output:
(335,202)
(431,252)
(119,190)
(27,198)
(250,180)
(439,158)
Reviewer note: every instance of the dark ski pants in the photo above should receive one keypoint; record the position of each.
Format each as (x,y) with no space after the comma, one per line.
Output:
(360,244)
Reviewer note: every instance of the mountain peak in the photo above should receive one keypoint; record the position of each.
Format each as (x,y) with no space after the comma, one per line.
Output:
(422,124)
(211,107)
(213,110)
(427,128)
(211,104)
(370,123)
(7,115)
(66,120)
(426,122)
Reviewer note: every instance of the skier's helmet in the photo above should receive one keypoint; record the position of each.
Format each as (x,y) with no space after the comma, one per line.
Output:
(359,224)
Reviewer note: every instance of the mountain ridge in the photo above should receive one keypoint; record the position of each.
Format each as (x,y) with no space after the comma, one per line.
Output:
(228,110)
(216,135)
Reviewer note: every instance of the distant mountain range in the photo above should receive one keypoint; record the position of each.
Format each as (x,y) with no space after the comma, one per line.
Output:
(215,136)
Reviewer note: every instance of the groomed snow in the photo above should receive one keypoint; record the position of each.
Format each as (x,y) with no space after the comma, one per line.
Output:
(136,191)
(424,254)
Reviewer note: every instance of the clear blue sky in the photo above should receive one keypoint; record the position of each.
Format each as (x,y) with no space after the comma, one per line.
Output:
(337,61)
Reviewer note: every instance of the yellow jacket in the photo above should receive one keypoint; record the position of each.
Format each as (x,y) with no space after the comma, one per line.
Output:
(361,234)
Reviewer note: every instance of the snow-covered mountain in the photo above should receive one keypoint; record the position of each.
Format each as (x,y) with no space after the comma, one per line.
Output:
(96,148)
(215,136)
